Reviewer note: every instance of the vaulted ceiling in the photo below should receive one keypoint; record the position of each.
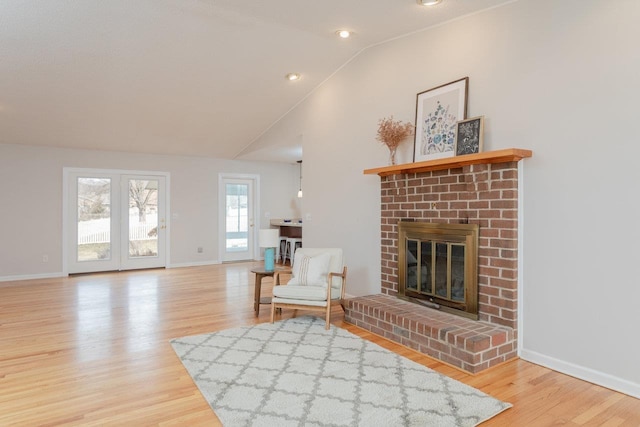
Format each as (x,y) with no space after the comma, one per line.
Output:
(181,77)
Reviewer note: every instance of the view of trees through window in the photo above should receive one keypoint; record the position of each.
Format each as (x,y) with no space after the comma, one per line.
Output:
(143,218)
(94,218)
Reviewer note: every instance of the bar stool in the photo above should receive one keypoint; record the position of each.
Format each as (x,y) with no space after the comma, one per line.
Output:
(290,247)
(281,248)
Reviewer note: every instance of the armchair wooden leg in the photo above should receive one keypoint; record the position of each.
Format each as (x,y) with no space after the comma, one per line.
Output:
(327,317)
(273,312)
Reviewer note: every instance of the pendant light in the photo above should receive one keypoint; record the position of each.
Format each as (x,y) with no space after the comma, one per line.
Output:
(300,188)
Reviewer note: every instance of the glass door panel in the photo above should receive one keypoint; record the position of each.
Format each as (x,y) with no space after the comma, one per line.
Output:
(94,219)
(238,219)
(457,272)
(413,266)
(143,218)
(93,239)
(143,222)
(427,270)
(441,270)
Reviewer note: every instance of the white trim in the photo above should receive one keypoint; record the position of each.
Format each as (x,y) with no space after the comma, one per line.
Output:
(116,171)
(65,220)
(167,210)
(32,276)
(583,373)
(520,284)
(194,264)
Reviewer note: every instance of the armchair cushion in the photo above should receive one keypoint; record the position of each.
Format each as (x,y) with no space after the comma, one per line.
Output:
(310,270)
(304,293)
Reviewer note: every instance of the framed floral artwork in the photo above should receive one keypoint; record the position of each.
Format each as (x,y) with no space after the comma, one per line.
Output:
(438,111)
(469,136)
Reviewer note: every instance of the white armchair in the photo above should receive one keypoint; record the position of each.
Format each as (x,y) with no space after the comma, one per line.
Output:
(318,282)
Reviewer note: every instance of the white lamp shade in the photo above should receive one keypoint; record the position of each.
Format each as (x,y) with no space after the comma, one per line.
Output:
(269,237)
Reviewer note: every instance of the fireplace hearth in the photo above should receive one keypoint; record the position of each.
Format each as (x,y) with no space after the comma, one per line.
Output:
(437,266)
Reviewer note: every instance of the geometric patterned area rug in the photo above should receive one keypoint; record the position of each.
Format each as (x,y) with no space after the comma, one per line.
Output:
(296,373)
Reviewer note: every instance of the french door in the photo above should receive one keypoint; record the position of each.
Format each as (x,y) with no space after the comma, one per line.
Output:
(115,221)
(143,225)
(237,217)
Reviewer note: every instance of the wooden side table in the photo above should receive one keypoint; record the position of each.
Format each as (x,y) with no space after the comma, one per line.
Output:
(260,274)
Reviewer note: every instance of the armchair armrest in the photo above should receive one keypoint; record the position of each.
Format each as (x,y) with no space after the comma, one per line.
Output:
(330,277)
(343,275)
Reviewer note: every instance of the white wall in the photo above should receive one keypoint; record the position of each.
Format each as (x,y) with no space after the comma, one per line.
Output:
(557,77)
(31,202)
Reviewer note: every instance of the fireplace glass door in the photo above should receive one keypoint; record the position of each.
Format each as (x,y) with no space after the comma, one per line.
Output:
(436,269)
(438,264)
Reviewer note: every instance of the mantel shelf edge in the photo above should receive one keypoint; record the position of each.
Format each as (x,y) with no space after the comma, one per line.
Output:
(498,156)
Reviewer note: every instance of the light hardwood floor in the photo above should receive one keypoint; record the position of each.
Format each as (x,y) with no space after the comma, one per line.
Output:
(94,350)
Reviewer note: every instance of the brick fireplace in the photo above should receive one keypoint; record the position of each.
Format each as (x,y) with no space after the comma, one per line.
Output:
(482,191)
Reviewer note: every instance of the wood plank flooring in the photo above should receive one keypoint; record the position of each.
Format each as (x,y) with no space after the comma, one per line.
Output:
(94,350)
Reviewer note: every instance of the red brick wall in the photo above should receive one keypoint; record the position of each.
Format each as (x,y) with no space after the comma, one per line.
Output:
(486,195)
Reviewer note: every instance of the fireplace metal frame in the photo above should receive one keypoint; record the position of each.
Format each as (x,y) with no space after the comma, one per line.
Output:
(466,234)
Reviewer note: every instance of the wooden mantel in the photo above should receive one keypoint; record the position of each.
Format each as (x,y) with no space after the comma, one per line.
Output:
(498,156)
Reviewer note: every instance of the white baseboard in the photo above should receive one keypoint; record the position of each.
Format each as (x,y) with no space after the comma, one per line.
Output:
(586,374)
(193,264)
(31,276)
(60,274)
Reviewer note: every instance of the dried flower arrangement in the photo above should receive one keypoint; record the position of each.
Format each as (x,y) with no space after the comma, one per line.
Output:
(392,133)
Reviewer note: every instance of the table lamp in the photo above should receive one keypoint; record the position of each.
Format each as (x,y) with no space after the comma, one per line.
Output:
(269,239)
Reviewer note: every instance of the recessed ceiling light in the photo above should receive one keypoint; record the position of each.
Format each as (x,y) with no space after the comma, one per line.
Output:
(429,2)
(345,34)
(292,76)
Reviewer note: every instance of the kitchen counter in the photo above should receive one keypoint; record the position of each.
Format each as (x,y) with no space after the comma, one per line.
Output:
(282,222)
(292,228)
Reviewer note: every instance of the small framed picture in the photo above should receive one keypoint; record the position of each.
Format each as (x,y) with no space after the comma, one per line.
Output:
(437,112)
(469,136)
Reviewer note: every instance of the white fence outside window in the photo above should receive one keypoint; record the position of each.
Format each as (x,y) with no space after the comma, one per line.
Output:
(98,231)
